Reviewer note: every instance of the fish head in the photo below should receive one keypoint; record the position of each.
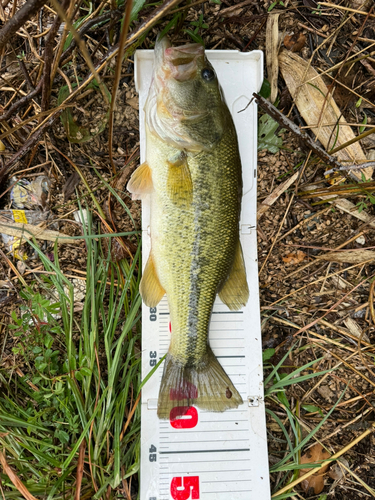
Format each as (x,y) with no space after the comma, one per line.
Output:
(185,106)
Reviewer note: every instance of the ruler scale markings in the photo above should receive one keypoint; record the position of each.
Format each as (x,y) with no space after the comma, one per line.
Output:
(204,451)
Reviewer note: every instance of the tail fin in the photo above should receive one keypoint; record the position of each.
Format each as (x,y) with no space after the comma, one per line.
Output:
(205,385)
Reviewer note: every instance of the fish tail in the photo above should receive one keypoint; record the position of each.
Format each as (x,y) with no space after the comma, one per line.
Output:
(205,385)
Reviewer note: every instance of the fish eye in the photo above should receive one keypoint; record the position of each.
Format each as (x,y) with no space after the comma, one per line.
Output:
(208,74)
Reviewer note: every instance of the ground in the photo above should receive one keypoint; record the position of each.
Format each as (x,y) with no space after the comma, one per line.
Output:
(317,312)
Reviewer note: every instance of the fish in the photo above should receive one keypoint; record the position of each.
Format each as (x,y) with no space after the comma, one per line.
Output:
(192,174)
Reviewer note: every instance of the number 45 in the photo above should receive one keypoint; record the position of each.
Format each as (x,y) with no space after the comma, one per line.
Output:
(185,488)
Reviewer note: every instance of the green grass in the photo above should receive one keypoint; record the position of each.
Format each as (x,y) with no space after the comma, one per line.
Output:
(287,468)
(81,380)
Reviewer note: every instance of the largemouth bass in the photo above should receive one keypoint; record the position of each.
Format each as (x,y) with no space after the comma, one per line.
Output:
(193,175)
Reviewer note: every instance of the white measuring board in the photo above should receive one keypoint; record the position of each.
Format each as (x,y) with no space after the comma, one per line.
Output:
(206,455)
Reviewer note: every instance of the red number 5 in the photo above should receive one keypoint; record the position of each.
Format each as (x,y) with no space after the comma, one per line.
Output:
(182,492)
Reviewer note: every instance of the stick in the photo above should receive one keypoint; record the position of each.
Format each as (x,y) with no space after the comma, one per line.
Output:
(30,143)
(275,195)
(123,37)
(20,17)
(284,122)
(48,58)
(351,167)
(145,26)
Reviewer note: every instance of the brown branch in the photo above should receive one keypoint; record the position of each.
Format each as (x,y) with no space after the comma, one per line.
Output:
(115,15)
(26,11)
(284,122)
(26,75)
(48,58)
(80,469)
(22,101)
(156,15)
(82,47)
(123,36)
(30,143)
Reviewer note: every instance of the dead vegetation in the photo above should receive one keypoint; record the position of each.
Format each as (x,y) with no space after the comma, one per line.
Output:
(69,113)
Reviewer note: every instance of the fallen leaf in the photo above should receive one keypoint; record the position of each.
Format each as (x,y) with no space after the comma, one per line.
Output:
(28,231)
(310,3)
(326,392)
(266,134)
(294,258)
(272,46)
(295,42)
(319,109)
(21,266)
(336,472)
(315,455)
(15,479)
(351,257)
(355,329)
(70,185)
(133,102)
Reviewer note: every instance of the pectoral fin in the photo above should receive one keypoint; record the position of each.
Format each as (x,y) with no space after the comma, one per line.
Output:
(140,182)
(235,291)
(179,184)
(150,288)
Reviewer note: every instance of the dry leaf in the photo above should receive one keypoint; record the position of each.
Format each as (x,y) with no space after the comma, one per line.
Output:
(133,102)
(14,478)
(349,207)
(314,455)
(272,42)
(295,42)
(27,231)
(70,185)
(234,10)
(351,257)
(355,329)
(21,266)
(318,108)
(80,470)
(326,392)
(336,472)
(294,258)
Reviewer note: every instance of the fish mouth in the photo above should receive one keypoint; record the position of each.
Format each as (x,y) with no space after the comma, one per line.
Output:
(167,114)
(180,63)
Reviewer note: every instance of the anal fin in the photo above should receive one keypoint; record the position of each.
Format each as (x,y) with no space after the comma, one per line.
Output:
(140,182)
(179,183)
(235,291)
(150,288)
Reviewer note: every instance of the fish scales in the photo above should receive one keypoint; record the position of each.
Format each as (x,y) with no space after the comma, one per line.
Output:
(202,235)
(193,175)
